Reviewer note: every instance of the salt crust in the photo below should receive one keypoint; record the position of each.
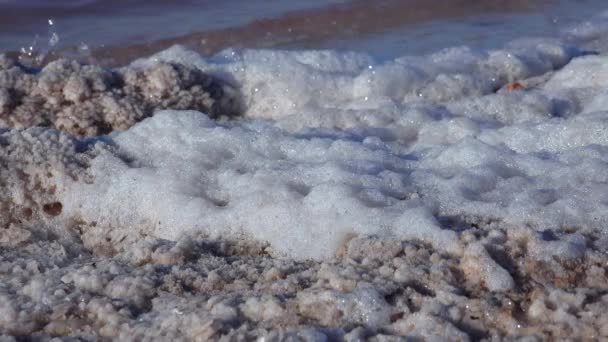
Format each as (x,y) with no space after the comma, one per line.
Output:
(87,100)
(201,289)
(424,218)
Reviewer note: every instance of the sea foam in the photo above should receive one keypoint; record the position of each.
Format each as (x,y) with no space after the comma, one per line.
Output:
(335,145)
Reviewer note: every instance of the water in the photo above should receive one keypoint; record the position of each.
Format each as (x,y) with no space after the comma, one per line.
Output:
(115,32)
(111,22)
(487,30)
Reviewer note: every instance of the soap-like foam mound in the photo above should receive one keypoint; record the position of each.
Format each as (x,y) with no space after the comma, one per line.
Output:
(302,89)
(533,158)
(305,194)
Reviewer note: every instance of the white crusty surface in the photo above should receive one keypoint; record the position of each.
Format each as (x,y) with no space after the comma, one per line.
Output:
(86,100)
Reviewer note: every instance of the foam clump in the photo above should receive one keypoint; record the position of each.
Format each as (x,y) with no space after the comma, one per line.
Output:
(180,172)
(333,89)
(87,100)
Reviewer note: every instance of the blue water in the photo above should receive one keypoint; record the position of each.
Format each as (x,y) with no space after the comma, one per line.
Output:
(487,31)
(426,26)
(97,22)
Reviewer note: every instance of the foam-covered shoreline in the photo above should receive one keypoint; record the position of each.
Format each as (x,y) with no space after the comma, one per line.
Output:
(420,197)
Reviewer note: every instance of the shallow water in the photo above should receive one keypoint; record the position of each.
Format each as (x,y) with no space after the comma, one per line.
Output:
(480,30)
(115,32)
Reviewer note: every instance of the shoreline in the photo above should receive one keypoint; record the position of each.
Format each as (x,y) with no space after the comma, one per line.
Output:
(301,29)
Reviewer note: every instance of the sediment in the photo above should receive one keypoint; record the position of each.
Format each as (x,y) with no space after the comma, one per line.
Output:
(87,100)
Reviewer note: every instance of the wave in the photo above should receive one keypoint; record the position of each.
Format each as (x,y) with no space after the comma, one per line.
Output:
(210,28)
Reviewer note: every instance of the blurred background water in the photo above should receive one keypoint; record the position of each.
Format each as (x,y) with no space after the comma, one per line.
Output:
(116,31)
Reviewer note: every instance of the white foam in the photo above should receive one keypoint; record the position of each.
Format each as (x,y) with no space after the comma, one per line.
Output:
(282,84)
(304,194)
(335,144)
